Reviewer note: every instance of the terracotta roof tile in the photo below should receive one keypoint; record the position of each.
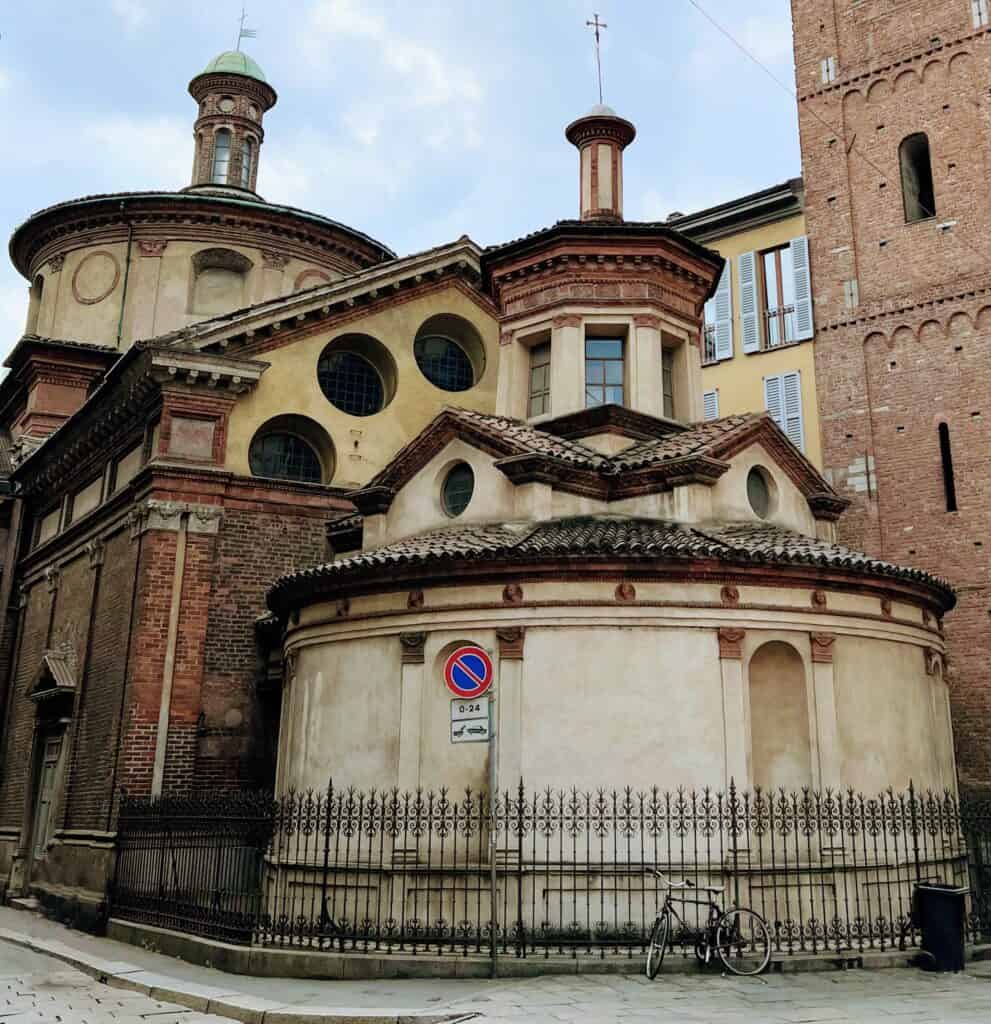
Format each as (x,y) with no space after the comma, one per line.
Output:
(610,536)
(693,441)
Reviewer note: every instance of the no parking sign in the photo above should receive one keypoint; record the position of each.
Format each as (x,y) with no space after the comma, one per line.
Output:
(468,671)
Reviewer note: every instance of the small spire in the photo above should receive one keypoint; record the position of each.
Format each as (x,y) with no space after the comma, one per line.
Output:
(596,25)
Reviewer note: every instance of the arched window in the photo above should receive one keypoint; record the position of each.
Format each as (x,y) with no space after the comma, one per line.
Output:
(918,194)
(285,457)
(247,157)
(946,455)
(292,447)
(221,156)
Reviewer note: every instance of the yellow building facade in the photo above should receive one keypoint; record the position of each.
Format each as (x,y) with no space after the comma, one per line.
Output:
(757,350)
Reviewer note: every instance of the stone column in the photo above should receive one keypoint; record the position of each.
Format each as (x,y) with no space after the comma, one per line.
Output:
(142,299)
(825,734)
(411,702)
(567,365)
(509,708)
(646,378)
(735,710)
(410,727)
(273,274)
(688,406)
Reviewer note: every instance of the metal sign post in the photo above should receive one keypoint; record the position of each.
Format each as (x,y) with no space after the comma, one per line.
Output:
(493,832)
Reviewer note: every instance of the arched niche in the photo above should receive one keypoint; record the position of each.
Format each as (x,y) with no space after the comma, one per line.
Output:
(36,294)
(219,281)
(780,737)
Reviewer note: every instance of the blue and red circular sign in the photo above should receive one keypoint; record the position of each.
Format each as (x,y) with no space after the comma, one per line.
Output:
(468,671)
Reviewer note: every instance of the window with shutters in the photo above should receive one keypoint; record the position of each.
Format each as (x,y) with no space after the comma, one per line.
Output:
(710,404)
(540,380)
(979,9)
(776,296)
(718,336)
(783,400)
(918,193)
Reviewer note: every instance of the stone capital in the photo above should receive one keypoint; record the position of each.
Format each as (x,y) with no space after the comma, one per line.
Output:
(56,263)
(731,643)
(169,515)
(566,321)
(151,247)
(647,320)
(413,645)
(822,648)
(934,661)
(95,550)
(511,639)
(53,576)
(274,260)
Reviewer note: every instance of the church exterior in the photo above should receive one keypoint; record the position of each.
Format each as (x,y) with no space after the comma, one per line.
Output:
(264,475)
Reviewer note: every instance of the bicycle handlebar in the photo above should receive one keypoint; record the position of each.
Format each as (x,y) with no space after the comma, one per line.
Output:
(686,884)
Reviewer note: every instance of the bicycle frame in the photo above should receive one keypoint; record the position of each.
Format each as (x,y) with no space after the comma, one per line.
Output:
(715,913)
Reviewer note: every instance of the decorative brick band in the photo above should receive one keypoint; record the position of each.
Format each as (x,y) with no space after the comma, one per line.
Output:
(566,321)
(413,645)
(511,639)
(731,643)
(822,648)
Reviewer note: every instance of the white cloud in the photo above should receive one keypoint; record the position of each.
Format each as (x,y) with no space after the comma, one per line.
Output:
(139,152)
(132,13)
(421,88)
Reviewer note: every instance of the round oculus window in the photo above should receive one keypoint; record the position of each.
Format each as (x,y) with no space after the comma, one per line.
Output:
(284,456)
(759,492)
(226,105)
(351,383)
(459,485)
(444,363)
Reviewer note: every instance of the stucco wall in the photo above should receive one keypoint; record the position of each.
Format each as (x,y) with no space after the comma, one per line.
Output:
(85,304)
(612,693)
(740,380)
(364,444)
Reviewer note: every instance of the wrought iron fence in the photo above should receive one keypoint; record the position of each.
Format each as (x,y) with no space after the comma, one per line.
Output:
(545,873)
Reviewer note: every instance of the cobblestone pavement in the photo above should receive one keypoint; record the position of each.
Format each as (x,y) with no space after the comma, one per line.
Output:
(36,989)
(901,996)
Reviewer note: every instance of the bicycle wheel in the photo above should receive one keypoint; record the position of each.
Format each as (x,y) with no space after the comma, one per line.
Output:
(658,944)
(743,942)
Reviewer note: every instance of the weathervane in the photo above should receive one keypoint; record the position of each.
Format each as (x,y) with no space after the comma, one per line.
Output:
(242,32)
(597,25)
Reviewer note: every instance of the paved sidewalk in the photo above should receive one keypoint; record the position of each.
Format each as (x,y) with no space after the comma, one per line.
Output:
(846,997)
(35,989)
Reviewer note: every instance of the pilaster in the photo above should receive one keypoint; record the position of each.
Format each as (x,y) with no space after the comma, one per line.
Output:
(824,701)
(567,365)
(646,393)
(735,709)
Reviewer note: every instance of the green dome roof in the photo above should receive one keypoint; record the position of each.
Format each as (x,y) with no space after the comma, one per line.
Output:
(233,62)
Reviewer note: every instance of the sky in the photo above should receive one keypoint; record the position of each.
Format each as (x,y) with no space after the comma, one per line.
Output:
(413,122)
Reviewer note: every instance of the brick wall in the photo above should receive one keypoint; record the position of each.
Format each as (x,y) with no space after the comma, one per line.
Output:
(253,548)
(916,351)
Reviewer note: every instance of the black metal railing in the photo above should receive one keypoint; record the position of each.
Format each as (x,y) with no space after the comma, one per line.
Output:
(547,873)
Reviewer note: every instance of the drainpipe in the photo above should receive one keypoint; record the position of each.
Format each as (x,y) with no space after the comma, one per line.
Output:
(127,274)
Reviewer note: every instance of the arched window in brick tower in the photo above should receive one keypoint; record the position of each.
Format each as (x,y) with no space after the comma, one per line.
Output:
(221,156)
(918,194)
(946,455)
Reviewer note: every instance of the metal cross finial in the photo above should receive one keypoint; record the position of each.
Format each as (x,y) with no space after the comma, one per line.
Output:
(597,25)
(242,32)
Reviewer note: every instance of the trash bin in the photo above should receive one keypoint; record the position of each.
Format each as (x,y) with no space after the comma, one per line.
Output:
(939,911)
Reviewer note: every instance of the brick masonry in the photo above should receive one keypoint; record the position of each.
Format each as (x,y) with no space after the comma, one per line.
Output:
(915,351)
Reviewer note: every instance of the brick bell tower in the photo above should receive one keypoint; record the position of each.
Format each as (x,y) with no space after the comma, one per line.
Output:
(894,104)
(233,97)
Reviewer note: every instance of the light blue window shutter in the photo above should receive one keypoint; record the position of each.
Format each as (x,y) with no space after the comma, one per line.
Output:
(772,399)
(749,303)
(804,327)
(791,392)
(980,9)
(719,314)
(710,404)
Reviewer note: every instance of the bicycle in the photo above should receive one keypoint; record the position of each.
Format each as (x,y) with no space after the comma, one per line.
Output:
(738,936)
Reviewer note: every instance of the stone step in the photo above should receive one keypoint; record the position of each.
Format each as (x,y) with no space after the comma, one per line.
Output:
(28,903)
